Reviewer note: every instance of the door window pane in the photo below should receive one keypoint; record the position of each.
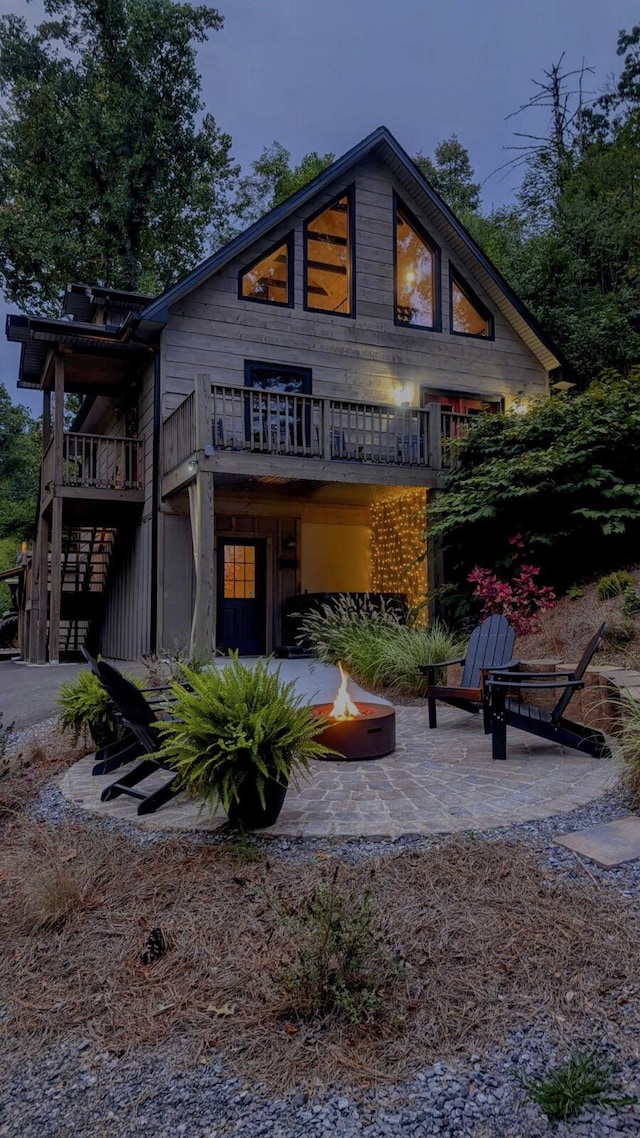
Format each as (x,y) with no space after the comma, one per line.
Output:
(415,276)
(328,283)
(239,572)
(268,279)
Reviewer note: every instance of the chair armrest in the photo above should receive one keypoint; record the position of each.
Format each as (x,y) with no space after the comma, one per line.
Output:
(426,668)
(491,683)
(522,676)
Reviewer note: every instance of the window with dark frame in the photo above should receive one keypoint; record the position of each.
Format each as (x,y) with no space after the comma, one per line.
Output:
(281,418)
(469,316)
(328,262)
(416,274)
(269,280)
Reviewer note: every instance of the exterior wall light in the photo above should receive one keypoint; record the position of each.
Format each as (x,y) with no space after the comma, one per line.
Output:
(192,465)
(519,407)
(403,394)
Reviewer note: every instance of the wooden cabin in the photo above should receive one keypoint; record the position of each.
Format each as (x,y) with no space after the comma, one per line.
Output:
(271,427)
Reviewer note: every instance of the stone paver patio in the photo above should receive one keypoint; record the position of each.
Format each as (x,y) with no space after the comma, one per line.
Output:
(436,781)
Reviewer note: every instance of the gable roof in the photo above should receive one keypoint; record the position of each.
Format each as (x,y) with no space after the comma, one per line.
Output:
(461,242)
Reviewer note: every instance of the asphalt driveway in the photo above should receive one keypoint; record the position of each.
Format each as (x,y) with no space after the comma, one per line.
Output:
(28,694)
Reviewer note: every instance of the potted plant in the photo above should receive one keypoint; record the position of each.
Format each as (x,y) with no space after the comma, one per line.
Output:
(239,736)
(84,705)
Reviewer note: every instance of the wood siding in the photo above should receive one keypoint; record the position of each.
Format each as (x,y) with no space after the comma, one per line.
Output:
(362,358)
(126,622)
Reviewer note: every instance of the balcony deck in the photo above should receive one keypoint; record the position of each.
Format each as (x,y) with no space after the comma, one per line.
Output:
(94,467)
(257,433)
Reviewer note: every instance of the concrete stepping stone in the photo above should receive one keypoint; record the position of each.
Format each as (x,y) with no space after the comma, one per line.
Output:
(609,844)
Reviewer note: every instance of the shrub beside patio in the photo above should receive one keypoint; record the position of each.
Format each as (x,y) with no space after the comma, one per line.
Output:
(381,650)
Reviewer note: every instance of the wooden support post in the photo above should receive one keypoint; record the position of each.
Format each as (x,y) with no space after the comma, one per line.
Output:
(203,411)
(201,503)
(46,418)
(58,423)
(56,581)
(435,436)
(40,631)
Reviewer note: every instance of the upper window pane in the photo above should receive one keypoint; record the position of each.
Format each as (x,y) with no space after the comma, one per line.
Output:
(415,276)
(268,279)
(278,377)
(328,283)
(466,317)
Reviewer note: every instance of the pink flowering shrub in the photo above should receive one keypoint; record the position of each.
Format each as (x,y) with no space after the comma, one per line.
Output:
(521,600)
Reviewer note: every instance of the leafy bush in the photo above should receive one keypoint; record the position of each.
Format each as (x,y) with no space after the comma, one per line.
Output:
(343,963)
(238,723)
(375,644)
(582,1080)
(565,474)
(614,585)
(85,706)
(167,668)
(631,600)
(522,600)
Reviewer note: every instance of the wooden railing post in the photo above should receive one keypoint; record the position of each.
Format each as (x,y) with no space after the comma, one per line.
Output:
(434,434)
(203,411)
(326,429)
(58,422)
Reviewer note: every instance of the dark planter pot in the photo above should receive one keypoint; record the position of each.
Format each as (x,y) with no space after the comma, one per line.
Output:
(104,736)
(249,813)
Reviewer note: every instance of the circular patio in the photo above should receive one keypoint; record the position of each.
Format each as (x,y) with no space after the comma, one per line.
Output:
(436,781)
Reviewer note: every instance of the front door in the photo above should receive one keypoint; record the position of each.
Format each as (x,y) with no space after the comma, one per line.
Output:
(242,595)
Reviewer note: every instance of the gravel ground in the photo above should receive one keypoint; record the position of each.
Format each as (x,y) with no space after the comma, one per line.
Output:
(75,1090)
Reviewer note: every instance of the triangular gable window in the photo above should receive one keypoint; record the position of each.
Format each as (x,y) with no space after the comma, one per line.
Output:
(469,317)
(270,279)
(329,258)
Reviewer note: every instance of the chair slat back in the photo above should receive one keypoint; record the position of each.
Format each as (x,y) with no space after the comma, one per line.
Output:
(586,658)
(129,701)
(490,646)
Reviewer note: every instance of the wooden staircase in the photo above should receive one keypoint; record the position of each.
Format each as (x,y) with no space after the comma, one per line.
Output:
(86,555)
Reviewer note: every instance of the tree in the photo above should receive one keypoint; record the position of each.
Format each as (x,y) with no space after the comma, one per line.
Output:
(273,179)
(20,447)
(107,172)
(451,174)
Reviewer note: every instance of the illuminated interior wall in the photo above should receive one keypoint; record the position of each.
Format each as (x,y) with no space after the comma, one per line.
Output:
(398,564)
(335,558)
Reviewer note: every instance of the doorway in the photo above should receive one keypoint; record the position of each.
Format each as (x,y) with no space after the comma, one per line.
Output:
(242,595)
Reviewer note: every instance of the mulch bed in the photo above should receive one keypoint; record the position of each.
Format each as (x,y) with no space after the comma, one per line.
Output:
(488,940)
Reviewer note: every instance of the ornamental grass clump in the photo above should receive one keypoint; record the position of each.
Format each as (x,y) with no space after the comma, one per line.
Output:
(376,645)
(630,746)
(238,724)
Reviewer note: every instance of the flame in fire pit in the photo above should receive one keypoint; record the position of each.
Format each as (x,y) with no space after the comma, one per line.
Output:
(343,705)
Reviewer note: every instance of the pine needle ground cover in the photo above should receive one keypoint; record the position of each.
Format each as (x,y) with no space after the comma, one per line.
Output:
(187,943)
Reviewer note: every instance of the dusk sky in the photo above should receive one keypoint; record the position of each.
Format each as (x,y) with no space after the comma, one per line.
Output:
(322,76)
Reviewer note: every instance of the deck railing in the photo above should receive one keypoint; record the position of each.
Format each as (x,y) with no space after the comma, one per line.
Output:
(179,435)
(258,421)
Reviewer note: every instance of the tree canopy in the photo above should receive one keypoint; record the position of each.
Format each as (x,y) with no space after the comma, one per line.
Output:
(20,444)
(109,171)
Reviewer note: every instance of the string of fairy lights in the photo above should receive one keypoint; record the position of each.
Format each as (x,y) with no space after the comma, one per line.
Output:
(398,545)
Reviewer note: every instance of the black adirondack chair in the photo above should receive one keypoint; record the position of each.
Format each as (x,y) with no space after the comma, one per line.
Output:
(138,716)
(122,750)
(508,712)
(490,646)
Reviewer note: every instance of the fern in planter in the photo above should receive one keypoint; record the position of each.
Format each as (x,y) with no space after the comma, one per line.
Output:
(84,705)
(238,731)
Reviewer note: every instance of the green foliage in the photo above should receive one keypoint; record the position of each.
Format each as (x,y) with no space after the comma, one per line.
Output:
(343,962)
(108,94)
(581,1081)
(272,180)
(375,644)
(238,723)
(631,600)
(84,705)
(5,732)
(20,447)
(614,584)
(564,475)
(451,174)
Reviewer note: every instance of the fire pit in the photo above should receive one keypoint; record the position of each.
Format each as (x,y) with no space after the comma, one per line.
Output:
(357,730)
